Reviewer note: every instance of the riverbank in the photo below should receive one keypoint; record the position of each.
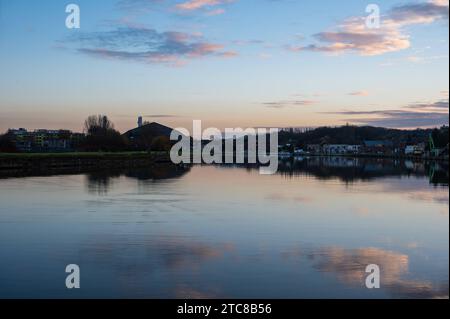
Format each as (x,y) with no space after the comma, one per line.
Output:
(381,156)
(44,161)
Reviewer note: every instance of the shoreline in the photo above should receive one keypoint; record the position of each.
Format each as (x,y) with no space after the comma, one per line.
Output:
(43,161)
(159,165)
(140,159)
(380,156)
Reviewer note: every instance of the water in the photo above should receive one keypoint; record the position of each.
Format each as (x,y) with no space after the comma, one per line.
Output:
(228,232)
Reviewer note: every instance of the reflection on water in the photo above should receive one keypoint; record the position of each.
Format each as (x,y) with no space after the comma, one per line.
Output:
(347,266)
(100,182)
(350,169)
(226,231)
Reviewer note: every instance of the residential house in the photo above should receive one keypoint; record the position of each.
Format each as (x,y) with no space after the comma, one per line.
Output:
(340,149)
(314,148)
(415,150)
(378,147)
(43,140)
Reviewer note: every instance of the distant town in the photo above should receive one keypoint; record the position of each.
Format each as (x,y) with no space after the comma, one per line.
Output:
(99,135)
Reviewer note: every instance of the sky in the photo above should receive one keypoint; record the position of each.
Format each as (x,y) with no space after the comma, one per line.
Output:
(229,63)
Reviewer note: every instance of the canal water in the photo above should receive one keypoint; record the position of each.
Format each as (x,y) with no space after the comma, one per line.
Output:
(308,231)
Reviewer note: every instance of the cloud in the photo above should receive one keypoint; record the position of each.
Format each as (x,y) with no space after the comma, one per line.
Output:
(348,265)
(284,198)
(208,7)
(426,59)
(192,5)
(399,119)
(140,44)
(411,116)
(139,5)
(229,54)
(264,56)
(425,106)
(167,253)
(420,13)
(352,35)
(283,104)
(359,93)
(215,12)
(161,116)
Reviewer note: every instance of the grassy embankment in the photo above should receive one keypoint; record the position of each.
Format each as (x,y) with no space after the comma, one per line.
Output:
(80,155)
(80,160)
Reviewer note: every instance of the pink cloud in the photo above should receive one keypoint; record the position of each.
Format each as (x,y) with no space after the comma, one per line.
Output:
(148,46)
(198,4)
(359,93)
(215,12)
(353,34)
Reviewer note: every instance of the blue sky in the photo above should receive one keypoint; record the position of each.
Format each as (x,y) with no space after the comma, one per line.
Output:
(229,63)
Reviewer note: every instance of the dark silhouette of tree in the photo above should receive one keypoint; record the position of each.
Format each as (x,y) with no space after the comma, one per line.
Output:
(358,134)
(440,136)
(96,124)
(161,143)
(101,135)
(6,144)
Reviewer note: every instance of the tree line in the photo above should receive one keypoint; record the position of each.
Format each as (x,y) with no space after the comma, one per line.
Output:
(100,136)
(356,135)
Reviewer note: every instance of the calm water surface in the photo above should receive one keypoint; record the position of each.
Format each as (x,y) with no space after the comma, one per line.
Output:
(228,232)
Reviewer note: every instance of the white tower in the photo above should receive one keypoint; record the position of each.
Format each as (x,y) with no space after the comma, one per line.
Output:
(139,121)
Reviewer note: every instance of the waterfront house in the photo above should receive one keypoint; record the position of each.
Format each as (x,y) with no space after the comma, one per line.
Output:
(299,152)
(415,150)
(340,149)
(43,140)
(314,148)
(22,139)
(378,147)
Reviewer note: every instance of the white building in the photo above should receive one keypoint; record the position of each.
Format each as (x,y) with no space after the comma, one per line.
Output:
(341,149)
(414,150)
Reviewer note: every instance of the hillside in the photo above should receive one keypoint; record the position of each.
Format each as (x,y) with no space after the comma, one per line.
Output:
(143,137)
(358,134)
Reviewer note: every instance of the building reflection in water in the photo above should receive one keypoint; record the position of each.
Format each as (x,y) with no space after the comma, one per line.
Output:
(226,231)
(100,182)
(346,169)
(350,169)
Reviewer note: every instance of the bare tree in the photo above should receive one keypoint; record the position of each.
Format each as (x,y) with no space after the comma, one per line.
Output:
(101,135)
(96,124)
